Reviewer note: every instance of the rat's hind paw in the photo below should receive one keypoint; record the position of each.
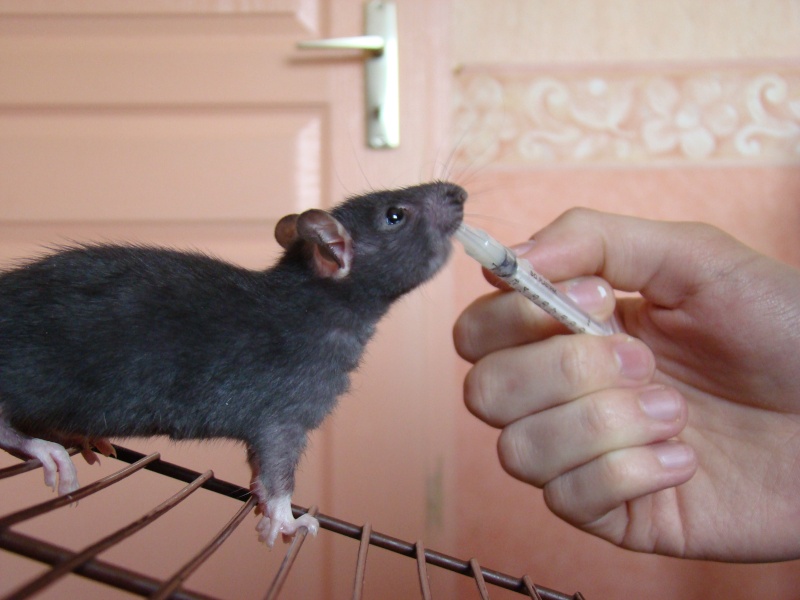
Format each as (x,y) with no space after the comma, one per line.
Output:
(56,463)
(279,519)
(55,460)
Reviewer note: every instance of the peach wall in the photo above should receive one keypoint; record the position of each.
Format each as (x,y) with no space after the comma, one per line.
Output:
(664,109)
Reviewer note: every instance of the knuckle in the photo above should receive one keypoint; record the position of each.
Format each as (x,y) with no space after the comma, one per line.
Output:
(577,214)
(577,362)
(572,365)
(615,471)
(600,418)
(586,363)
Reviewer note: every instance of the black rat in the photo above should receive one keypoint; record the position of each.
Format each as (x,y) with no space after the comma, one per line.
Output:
(101,341)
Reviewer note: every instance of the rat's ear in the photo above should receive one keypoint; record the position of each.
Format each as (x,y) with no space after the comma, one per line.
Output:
(333,247)
(286,231)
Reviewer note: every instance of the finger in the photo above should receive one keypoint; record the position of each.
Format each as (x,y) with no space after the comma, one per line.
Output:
(510,384)
(541,447)
(593,496)
(500,320)
(503,320)
(665,261)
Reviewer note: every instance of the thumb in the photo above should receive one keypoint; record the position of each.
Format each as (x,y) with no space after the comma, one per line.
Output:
(664,261)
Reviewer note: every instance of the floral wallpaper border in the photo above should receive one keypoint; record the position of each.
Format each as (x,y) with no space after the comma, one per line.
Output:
(527,117)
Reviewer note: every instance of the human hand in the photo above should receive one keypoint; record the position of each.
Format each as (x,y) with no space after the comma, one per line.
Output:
(681,440)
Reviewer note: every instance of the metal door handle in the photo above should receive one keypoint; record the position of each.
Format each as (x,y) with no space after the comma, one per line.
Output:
(382,73)
(359,42)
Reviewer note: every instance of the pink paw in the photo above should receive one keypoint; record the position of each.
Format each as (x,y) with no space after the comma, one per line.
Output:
(278,519)
(56,463)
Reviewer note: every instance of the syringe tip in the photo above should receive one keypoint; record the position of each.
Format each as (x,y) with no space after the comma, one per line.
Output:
(481,246)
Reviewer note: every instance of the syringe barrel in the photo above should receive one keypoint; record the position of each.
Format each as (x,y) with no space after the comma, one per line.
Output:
(558,305)
(520,275)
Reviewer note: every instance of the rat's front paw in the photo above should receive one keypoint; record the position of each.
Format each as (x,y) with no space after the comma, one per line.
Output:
(279,519)
(268,529)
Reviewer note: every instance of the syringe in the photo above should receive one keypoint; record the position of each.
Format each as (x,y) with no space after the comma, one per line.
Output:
(519,274)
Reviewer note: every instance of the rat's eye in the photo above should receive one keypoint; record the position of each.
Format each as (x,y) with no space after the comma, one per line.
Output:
(395,215)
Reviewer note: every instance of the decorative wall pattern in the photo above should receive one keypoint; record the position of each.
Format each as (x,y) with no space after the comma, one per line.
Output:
(520,116)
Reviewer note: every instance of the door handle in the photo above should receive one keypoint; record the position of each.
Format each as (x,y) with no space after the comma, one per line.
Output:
(382,73)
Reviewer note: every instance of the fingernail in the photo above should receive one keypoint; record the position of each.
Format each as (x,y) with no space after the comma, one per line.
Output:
(523,248)
(587,293)
(660,404)
(634,360)
(674,455)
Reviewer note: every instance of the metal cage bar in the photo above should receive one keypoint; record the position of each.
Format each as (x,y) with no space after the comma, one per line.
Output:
(86,564)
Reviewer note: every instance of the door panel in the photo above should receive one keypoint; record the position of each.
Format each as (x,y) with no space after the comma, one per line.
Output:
(197,125)
(160,164)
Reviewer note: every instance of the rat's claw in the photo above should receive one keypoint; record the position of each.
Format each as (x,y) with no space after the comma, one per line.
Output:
(88,455)
(102,445)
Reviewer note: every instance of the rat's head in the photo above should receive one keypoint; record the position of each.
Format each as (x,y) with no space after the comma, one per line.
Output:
(389,241)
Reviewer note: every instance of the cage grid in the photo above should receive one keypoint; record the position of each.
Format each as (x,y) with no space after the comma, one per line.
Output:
(85,562)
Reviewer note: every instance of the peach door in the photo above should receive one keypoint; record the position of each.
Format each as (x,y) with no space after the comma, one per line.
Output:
(197,125)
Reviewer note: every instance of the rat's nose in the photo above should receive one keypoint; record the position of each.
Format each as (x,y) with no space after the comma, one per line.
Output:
(451,211)
(455,193)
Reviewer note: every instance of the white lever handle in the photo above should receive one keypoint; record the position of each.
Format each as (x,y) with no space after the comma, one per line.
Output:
(374,43)
(382,70)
